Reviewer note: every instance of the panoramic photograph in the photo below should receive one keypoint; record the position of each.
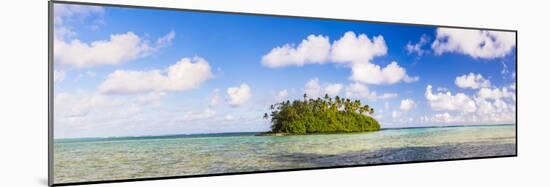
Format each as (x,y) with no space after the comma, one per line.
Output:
(146,93)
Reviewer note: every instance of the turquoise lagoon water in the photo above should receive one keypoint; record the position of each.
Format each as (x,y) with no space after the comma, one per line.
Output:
(78,160)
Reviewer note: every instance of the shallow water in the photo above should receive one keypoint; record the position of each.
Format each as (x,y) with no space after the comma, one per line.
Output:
(80,160)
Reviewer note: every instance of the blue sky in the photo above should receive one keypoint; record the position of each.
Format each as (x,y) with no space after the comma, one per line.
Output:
(131,72)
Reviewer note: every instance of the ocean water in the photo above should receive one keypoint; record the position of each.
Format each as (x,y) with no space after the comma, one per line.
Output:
(78,160)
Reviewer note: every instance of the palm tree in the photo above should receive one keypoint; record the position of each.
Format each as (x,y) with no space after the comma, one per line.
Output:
(337,102)
(364,109)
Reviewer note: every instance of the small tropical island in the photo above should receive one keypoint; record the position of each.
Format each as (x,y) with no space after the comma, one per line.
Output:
(320,115)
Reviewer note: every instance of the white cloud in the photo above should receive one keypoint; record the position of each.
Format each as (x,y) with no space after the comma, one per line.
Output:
(495,93)
(91,106)
(75,12)
(443,117)
(472,80)
(449,102)
(118,49)
(214,99)
(512,86)
(500,110)
(79,104)
(281,95)
(317,50)
(92,114)
(361,91)
(192,116)
(58,76)
(354,51)
(239,95)
(407,104)
(184,75)
(353,48)
(333,89)
(166,39)
(487,113)
(313,88)
(373,74)
(488,106)
(475,43)
(312,50)
(395,114)
(385,95)
(65,14)
(150,98)
(417,48)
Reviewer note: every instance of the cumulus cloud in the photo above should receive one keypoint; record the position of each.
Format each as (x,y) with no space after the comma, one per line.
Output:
(333,89)
(184,75)
(488,106)
(118,49)
(449,102)
(312,50)
(417,47)
(407,104)
(354,51)
(472,81)
(281,95)
(316,49)
(314,89)
(238,96)
(373,74)
(361,91)
(496,93)
(487,113)
(357,48)
(475,43)
(496,109)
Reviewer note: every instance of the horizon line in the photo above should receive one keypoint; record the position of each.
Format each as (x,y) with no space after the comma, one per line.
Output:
(201,135)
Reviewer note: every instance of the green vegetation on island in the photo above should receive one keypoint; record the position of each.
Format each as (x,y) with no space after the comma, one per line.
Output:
(321,115)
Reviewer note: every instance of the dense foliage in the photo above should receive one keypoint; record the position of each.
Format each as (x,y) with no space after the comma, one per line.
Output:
(321,115)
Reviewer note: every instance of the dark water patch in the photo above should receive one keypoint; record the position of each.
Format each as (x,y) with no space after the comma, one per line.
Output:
(405,154)
(212,135)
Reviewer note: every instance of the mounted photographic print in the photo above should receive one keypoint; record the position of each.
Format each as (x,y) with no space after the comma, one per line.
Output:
(140,93)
